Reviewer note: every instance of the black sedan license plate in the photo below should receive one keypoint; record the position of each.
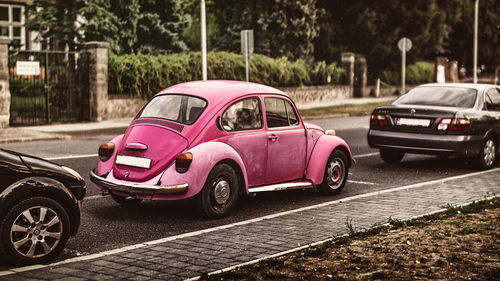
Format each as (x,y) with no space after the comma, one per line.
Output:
(401,121)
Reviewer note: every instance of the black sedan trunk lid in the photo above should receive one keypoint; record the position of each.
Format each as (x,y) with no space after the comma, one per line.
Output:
(415,118)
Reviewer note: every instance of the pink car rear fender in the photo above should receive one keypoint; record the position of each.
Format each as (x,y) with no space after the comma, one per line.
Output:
(205,157)
(105,167)
(320,154)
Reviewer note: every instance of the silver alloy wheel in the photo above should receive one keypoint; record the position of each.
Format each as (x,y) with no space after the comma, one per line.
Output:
(335,173)
(222,192)
(489,152)
(36,232)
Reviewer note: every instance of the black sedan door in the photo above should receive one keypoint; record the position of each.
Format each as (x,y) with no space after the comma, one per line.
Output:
(492,104)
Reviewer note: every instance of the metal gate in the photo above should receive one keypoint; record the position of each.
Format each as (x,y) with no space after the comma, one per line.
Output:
(48,87)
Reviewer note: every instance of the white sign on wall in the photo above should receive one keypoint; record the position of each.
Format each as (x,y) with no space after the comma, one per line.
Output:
(28,68)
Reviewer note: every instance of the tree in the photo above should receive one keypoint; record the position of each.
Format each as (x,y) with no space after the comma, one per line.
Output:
(151,26)
(56,20)
(374,28)
(99,24)
(281,27)
(160,26)
(461,45)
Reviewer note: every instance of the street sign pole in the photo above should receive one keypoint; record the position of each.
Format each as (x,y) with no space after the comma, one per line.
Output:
(203,42)
(247,49)
(403,68)
(247,74)
(404,45)
(476,16)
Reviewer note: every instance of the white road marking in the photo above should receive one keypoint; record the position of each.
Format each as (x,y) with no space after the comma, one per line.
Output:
(93,197)
(362,182)
(72,157)
(208,230)
(365,155)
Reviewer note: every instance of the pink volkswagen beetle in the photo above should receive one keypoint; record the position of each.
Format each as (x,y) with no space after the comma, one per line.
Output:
(211,140)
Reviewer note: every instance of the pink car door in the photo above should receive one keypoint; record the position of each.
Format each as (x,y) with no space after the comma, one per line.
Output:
(286,141)
(243,122)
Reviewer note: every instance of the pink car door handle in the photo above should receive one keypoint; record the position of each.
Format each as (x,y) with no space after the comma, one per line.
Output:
(136,146)
(272,137)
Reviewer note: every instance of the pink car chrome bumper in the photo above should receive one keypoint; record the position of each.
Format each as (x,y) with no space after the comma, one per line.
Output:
(136,188)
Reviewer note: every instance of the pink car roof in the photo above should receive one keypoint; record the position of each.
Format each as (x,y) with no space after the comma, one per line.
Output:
(220,91)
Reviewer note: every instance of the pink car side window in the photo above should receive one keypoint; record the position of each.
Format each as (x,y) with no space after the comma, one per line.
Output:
(243,115)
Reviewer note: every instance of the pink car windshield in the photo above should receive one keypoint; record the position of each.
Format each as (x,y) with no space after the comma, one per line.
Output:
(178,108)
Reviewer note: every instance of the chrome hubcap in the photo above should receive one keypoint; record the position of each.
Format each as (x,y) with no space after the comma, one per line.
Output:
(489,152)
(221,192)
(335,173)
(36,232)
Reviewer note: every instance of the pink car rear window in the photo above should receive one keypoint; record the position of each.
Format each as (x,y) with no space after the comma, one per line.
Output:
(178,108)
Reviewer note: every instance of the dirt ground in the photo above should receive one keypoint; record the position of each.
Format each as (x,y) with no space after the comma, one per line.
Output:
(461,244)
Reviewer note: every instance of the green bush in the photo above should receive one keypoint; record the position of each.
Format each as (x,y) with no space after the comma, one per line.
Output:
(144,75)
(418,73)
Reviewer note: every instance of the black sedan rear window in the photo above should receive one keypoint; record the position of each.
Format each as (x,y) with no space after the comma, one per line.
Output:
(440,96)
(179,108)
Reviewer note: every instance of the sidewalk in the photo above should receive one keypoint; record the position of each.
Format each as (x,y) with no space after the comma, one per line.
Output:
(117,126)
(191,254)
(63,131)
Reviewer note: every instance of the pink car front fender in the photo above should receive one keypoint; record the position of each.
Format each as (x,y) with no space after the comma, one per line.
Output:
(105,167)
(205,157)
(320,154)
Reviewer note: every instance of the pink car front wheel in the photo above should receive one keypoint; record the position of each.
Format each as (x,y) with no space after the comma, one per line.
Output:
(336,172)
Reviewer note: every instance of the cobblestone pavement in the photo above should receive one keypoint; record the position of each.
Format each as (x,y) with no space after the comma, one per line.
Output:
(192,254)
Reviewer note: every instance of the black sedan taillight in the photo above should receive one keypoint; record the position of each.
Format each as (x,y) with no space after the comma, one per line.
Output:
(455,124)
(378,120)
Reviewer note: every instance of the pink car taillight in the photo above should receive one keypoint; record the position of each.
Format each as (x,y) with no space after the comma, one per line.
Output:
(379,120)
(106,151)
(183,162)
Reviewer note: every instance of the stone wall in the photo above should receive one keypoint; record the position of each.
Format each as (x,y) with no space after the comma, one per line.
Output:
(121,107)
(311,94)
(4,84)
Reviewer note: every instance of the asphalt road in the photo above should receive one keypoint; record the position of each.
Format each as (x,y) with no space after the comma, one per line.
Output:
(107,225)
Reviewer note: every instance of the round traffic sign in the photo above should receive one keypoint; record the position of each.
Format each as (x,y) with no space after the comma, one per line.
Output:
(404,43)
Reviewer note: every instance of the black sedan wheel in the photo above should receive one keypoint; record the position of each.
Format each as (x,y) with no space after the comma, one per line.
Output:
(220,192)
(336,172)
(487,155)
(391,156)
(33,231)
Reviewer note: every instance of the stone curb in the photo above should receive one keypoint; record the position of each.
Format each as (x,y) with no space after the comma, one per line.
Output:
(190,255)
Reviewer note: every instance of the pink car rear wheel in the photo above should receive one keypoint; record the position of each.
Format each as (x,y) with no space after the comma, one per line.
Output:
(220,192)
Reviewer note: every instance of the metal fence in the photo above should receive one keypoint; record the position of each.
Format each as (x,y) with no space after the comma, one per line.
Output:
(48,87)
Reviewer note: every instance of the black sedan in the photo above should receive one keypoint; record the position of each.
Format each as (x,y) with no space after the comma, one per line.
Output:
(39,207)
(442,119)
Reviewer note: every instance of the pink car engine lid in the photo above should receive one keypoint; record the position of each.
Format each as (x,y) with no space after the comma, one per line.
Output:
(147,149)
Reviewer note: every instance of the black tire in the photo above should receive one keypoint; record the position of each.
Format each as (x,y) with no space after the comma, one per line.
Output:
(336,172)
(487,156)
(126,201)
(37,237)
(390,156)
(220,192)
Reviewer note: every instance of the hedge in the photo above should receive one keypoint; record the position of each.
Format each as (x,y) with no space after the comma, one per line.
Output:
(418,73)
(144,75)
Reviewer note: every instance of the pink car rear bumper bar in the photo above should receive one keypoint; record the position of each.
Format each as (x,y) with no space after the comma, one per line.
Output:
(136,188)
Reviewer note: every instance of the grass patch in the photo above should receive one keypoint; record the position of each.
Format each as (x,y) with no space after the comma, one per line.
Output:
(345,109)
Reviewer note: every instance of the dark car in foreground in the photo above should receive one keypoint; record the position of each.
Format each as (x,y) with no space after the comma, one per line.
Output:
(443,119)
(39,207)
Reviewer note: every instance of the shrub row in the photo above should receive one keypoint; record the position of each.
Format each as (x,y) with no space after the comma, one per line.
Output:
(418,73)
(144,75)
